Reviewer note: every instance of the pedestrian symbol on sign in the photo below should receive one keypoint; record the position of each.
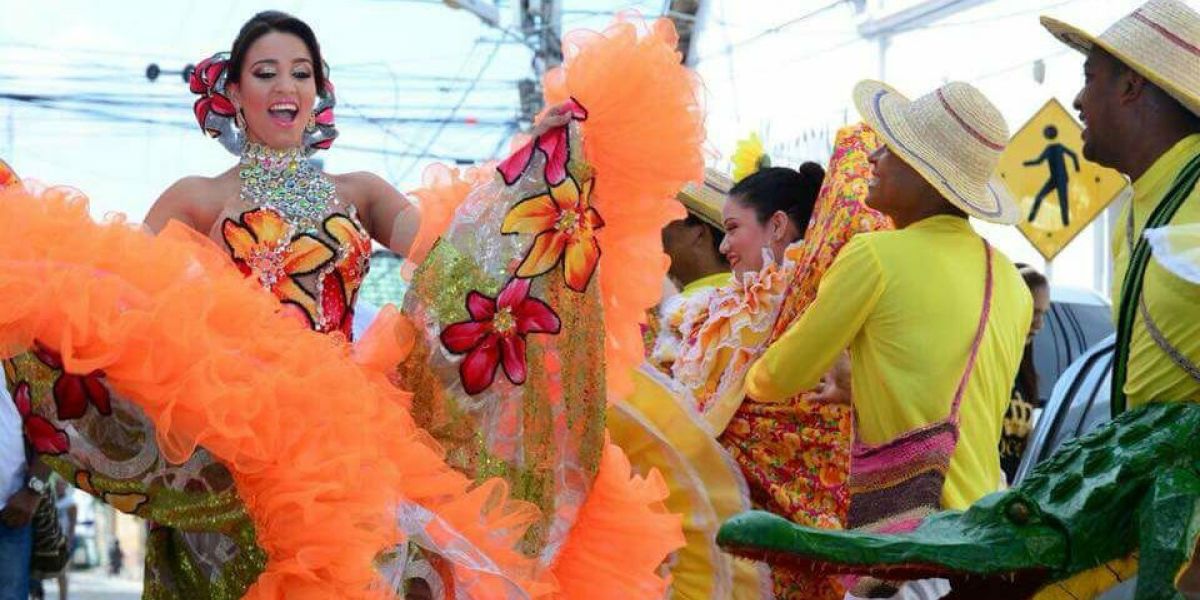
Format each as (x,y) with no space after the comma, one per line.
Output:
(1060,180)
(1044,163)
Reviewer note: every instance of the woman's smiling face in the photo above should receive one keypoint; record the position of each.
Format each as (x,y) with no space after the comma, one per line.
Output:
(277,90)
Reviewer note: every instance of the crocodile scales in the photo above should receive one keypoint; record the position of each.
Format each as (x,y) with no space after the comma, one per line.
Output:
(1132,485)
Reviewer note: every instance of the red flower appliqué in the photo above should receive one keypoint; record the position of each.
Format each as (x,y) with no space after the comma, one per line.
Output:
(73,393)
(203,81)
(555,144)
(323,115)
(495,335)
(339,286)
(42,434)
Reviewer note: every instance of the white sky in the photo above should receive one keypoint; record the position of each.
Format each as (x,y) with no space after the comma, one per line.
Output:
(125,139)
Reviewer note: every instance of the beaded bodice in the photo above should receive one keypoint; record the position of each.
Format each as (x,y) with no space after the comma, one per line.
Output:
(291,231)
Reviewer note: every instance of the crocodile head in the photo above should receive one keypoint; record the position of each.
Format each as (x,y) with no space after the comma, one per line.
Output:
(1003,535)
(1077,510)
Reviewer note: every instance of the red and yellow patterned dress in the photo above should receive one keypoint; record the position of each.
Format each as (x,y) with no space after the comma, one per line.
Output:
(794,455)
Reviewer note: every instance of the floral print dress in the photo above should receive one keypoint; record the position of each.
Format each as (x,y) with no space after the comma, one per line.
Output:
(795,455)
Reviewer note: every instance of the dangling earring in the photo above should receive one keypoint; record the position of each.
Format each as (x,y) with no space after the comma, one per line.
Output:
(239,119)
(312,123)
(769,250)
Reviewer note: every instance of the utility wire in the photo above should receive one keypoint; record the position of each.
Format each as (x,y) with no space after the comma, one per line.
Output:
(453,111)
(121,118)
(773,30)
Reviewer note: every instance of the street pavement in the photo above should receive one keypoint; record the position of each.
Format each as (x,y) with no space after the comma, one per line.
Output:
(95,584)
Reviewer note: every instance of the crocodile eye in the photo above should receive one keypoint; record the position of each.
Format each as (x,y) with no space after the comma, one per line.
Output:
(1018,512)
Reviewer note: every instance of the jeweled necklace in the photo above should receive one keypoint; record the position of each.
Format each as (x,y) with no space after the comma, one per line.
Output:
(286,181)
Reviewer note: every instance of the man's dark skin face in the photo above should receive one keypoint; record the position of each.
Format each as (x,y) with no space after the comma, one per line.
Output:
(898,191)
(692,250)
(1128,121)
(1100,107)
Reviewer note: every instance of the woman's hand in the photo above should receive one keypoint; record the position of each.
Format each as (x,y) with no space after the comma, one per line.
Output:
(557,116)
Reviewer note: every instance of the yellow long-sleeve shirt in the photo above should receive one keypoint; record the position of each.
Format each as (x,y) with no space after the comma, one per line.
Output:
(907,304)
(1173,303)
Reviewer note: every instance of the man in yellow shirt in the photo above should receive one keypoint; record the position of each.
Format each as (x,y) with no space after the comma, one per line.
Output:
(697,265)
(1140,104)
(907,302)
(693,243)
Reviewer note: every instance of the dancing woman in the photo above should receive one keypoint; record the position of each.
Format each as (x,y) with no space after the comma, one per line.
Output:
(277,461)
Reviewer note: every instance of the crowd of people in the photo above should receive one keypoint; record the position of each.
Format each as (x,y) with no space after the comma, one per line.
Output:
(843,348)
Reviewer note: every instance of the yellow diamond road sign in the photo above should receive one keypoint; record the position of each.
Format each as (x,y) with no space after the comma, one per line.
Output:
(1058,192)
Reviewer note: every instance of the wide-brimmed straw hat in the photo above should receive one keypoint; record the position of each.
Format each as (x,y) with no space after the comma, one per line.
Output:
(953,137)
(1160,40)
(707,200)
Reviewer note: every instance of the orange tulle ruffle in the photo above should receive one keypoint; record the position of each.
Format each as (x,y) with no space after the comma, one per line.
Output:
(321,446)
(643,135)
(443,189)
(621,537)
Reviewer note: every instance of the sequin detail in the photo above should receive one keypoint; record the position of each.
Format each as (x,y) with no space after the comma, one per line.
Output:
(298,238)
(285,181)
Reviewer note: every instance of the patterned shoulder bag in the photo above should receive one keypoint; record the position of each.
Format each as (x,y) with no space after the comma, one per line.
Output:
(893,486)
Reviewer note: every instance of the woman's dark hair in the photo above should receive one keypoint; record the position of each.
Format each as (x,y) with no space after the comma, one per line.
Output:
(266,22)
(1027,376)
(774,189)
(1033,279)
(715,234)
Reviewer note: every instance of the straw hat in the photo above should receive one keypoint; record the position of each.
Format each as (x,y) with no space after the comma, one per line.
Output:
(707,200)
(953,137)
(1160,40)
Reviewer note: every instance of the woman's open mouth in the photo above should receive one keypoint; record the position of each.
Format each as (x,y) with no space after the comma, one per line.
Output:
(283,114)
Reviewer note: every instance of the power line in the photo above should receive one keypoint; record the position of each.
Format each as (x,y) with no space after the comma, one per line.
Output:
(453,111)
(134,102)
(124,118)
(773,30)
(1018,66)
(991,19)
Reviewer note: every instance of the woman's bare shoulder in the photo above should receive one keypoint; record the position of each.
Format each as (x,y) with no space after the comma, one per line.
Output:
(195,201)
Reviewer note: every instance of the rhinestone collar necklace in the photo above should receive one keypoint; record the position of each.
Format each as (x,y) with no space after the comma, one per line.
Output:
(286,181)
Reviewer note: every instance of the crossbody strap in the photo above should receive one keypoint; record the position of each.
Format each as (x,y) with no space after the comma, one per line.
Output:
(1164,344)
(979,329)
(984,313)
(1131,286)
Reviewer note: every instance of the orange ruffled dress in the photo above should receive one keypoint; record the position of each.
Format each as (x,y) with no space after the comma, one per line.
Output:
(166,383)
(308,438)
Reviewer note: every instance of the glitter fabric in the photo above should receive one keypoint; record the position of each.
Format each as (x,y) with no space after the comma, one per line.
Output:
(545,435)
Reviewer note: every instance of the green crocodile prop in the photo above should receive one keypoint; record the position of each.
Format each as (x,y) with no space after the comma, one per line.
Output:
(1133,485)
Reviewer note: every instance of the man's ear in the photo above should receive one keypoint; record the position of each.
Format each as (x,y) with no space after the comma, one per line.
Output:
(1131,86)
(703,234)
